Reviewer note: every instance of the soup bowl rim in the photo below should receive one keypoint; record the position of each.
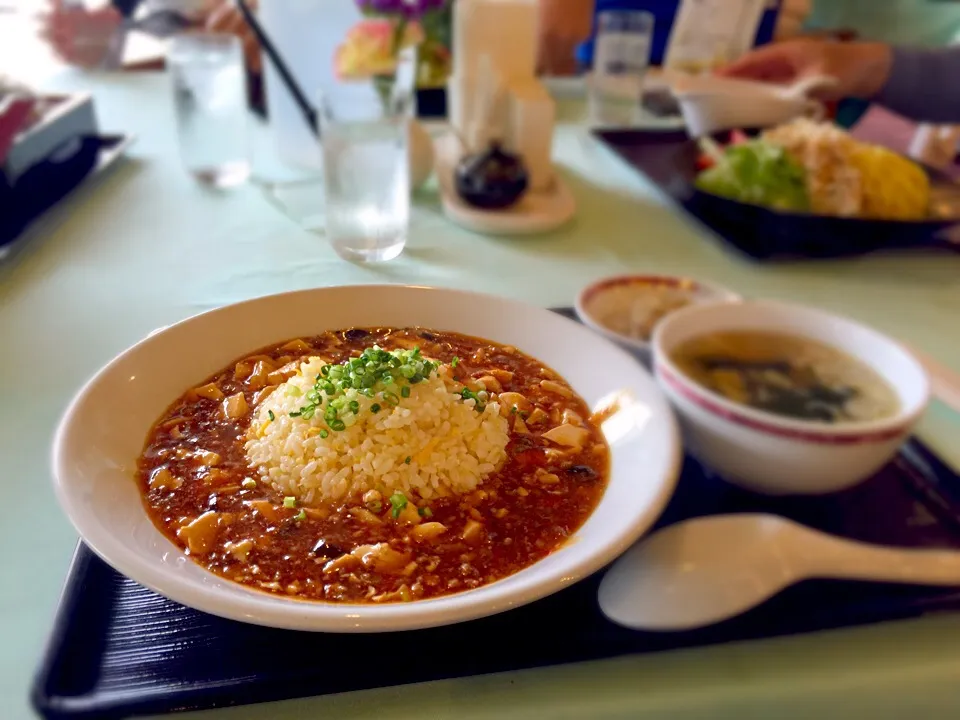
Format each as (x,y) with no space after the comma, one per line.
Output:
(882,429)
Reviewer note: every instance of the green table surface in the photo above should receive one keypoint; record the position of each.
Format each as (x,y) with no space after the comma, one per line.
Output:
(145,247)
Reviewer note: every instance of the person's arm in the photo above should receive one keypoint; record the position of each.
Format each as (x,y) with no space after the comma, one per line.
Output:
(564,24)
(924,84)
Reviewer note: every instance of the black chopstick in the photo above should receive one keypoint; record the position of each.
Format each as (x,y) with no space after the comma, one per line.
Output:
(307,110)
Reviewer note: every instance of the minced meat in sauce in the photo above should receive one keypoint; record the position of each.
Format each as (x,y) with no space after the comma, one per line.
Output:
(202,495)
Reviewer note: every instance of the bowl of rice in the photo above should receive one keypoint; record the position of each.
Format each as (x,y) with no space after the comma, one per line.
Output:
(402,433)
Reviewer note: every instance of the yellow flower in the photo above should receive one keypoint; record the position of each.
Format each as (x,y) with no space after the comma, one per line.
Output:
(368,49)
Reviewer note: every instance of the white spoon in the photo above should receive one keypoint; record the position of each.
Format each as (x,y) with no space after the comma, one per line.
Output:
(705,570)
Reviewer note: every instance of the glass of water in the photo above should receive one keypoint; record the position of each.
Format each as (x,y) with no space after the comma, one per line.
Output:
(210,100)
(621,57)
(363,132)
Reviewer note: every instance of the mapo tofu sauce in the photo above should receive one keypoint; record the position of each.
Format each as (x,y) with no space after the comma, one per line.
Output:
(201,494)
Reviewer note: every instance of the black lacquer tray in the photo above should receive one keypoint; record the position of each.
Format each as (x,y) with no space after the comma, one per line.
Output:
(118,649)
(669,160)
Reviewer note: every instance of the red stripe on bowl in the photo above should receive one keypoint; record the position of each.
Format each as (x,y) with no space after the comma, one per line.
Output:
(652,281)
(824,437)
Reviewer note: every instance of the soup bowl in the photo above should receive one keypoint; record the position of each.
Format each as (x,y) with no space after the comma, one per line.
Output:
(770,453)
(104,429)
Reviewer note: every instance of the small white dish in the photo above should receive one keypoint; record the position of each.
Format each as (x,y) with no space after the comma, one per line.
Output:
(773,454)
(626,308)
(103,431)
(536,213)
(710,104)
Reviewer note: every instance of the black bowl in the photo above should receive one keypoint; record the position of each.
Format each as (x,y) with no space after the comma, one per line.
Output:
(669,159)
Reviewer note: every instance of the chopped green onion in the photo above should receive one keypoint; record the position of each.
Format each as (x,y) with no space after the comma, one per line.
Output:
(271,415)
(398,501)
(248,483)
(375,408)
(290,502)
(455,362)
(324,434)
(425,512)
(480,398)
(407,461)
(337,425)
(375,373)
(302,515)
(296,413)
(294,391)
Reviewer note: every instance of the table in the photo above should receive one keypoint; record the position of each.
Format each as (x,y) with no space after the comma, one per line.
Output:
(146,247)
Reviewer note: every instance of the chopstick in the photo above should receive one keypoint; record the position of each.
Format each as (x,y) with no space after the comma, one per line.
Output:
(306,109)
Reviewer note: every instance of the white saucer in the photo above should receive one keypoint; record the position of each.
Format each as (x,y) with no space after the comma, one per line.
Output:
(535,213)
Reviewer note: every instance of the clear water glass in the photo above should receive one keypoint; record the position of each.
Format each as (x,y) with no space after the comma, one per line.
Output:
(364,137)
(621,58)
(210,101)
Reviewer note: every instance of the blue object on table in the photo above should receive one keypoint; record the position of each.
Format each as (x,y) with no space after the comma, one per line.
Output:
(664,13)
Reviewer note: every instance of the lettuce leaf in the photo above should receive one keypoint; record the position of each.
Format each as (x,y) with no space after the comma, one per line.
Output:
(758,173)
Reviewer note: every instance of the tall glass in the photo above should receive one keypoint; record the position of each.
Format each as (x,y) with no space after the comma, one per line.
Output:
(621,58)
(363,126)
(210,100)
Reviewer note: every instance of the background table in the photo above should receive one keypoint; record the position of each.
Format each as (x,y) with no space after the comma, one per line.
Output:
(146,247)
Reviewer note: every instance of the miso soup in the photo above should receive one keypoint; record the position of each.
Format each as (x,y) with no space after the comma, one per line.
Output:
(787,375)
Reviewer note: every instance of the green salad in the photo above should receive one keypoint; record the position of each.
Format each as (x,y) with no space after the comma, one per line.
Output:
(758,173)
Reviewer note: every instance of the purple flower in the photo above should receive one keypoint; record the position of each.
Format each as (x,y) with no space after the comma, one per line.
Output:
(410,9)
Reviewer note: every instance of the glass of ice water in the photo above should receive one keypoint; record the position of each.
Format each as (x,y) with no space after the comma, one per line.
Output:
(621,57)
(363,131)
(210,101)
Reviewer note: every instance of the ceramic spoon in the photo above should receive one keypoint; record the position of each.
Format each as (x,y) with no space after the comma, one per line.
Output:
(709,569)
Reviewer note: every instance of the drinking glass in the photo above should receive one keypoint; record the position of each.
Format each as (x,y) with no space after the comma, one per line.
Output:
(363,128)
(621,58)
(210,100)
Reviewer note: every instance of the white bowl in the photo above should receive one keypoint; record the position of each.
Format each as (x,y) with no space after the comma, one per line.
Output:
(775,455)
(104,429)
(710,104)
(596,303)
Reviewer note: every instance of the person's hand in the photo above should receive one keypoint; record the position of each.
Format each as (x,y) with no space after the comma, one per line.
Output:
(860,69)
(227,18)
(79,36)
